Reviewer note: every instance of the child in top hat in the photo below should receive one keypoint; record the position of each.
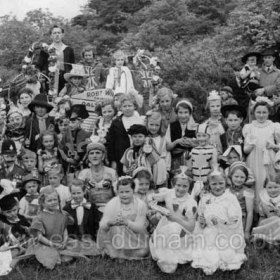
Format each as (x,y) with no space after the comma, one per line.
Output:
(250,73)
(73,145)
(9,169)
(39,120)
(75,82)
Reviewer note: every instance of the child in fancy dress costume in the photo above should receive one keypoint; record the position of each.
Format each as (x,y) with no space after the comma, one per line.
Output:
(124,215)
(179,221)
(219,215)
(85,214)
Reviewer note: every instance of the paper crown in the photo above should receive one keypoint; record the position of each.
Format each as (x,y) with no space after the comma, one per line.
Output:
(213,95)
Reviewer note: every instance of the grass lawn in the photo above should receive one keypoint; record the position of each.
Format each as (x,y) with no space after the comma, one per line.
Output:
(262,264)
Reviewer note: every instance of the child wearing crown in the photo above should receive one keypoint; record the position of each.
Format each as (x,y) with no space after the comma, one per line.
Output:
(221,239)
(178,222)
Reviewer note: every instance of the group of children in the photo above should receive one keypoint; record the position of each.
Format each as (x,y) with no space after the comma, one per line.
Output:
(158,184)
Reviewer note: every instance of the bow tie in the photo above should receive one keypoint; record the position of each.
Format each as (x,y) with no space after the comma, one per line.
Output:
(75,205)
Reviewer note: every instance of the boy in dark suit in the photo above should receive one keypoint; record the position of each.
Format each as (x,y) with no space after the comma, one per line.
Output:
(85,214)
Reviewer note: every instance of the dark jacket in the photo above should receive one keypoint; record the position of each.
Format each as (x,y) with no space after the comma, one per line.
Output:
(117,142)
(32,130)
(90,223)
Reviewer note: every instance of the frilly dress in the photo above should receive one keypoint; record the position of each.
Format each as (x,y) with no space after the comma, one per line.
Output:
(269,228)
(220,245)
(260,160)
(121,241)
(170,243)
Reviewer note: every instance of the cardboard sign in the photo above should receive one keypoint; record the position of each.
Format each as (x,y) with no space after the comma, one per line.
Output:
(90,99)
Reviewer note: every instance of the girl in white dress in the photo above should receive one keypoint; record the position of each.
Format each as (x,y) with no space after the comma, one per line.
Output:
(119,78)
(219,239)
(170,242)
(262,138)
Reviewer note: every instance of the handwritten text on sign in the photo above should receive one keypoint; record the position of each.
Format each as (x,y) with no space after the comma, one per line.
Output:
(91,98)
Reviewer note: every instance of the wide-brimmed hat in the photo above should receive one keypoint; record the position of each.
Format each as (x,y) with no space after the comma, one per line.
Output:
(245,57)
(77,111)
(40,100)
(269,51)
(75,72)
(233,107)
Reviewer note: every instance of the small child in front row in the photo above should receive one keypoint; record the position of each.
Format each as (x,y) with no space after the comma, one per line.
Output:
(85,214)
(28,205)
(179,221)
(269,223)
(238,175)
(50,227)
(203,159)
(55,175)
(219,215)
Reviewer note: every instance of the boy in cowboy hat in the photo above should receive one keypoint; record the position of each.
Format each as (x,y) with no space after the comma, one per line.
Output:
(9,169)
(75,82)
(39,120)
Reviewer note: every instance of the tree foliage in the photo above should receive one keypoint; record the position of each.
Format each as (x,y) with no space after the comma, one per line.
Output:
(198,41)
